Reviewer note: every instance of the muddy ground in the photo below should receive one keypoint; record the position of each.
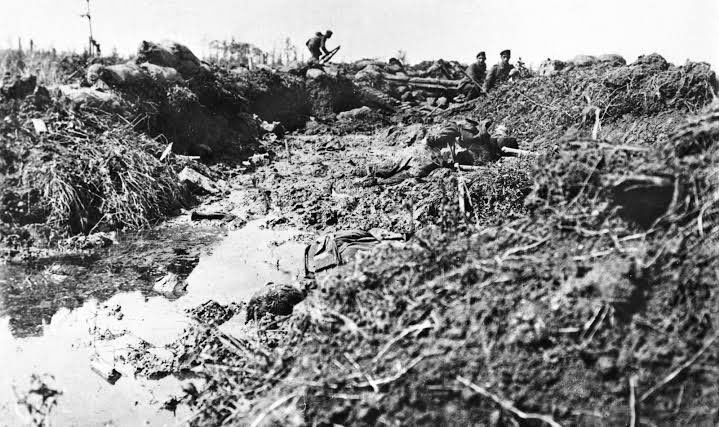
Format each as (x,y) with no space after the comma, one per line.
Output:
(577,288)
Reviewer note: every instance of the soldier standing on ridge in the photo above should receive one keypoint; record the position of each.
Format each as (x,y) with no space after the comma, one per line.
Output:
(316,44)
(499,72)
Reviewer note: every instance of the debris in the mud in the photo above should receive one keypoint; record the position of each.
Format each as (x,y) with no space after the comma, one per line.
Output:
(355,114)
(198,215)
(38,400)
(339,248)
(274,299)
(213,313)
(170,285)
(197,181)
(105,370)
(91,241)
(39,125)
(259,159)
(275,127)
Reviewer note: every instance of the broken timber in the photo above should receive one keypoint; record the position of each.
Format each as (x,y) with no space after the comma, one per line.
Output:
(422,82)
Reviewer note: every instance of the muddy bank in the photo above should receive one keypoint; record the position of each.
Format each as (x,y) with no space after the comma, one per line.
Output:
(554,298)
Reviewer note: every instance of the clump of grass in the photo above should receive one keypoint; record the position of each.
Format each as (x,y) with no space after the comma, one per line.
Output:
(92,172)
(110,183)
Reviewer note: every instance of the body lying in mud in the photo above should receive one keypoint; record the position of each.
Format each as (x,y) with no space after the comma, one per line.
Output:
(462,143)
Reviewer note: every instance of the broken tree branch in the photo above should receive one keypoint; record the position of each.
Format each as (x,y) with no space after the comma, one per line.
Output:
(279,402)
(506,404)
(679,370)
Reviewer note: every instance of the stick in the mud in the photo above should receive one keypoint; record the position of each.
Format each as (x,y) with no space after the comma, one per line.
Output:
(519,152)
(279,402)
(507,405)
(679,370)
(633,416)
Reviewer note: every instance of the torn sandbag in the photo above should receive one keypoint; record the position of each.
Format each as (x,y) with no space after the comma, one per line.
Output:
(339,248)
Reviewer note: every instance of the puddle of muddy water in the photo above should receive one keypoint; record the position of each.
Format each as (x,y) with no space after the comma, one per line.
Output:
(238,265)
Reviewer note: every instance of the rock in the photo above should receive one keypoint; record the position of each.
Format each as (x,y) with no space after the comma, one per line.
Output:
(173,55)
(584,60)
(355,114)
(550,67)
(275,127)
(314,73)
(442,102)
(612,58)
(273,299)
(196,181)
(18,87)
(85,96)
(431,101)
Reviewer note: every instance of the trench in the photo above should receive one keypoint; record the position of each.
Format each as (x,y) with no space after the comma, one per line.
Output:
(232,266)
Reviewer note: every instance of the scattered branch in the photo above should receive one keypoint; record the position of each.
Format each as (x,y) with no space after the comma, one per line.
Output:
(507,405)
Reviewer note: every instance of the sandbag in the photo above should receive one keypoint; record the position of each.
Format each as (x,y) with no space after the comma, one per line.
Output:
(170,54)
(84,96)
(612,58)
(550,67)
(127,74)
(584,60)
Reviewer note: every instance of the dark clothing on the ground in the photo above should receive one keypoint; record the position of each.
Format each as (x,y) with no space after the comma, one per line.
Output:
(316,45)
(499,73)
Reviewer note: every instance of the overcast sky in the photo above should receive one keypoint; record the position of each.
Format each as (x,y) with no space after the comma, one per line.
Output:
(425,29)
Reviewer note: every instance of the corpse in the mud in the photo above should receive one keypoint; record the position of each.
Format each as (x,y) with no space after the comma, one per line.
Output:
(463,142)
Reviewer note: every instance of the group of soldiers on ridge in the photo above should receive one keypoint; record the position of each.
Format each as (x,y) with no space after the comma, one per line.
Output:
(477,82)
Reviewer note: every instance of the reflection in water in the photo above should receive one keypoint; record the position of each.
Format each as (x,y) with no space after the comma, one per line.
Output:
(238,266)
